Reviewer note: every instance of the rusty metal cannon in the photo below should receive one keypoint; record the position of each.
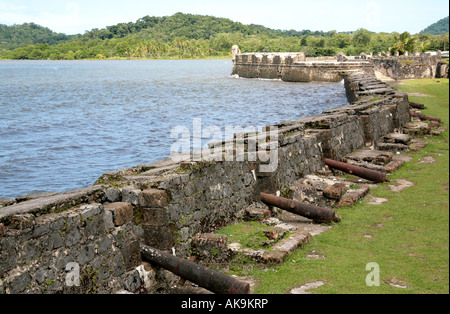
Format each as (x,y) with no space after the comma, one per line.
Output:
(318,214)
(209,279)
(416,105)
(364,173)
(423,117)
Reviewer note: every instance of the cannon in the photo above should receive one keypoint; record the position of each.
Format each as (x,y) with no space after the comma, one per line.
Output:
(372,175)
(318,214)
(416,105)
(211,280)
(424,117)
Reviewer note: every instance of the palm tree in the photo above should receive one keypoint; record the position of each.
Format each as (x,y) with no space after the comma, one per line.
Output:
(423,46)
(403,42)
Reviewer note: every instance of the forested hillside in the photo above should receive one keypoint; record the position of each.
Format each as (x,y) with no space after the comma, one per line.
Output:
(15,36)
(199,36)
(438,28)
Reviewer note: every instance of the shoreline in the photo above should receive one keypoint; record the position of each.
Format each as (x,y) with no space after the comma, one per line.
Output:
(125,59)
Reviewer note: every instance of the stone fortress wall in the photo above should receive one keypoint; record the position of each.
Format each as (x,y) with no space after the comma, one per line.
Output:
(96,232)
(415,66)
(296,67)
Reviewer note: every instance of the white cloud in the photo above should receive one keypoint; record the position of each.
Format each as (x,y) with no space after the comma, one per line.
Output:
(65,22)
(11,7)
(68,21)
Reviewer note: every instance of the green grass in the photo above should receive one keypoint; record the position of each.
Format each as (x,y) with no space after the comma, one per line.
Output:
(248,234)
(408,236)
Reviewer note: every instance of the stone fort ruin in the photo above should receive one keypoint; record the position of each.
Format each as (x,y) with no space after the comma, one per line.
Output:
(90,240)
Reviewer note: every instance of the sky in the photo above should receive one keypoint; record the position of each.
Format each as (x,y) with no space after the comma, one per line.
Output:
(77,16)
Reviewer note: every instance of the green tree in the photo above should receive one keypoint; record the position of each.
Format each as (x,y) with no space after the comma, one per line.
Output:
(361,38)
(403,42)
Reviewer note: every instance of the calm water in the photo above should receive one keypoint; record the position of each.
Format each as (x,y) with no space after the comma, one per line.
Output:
(65,123)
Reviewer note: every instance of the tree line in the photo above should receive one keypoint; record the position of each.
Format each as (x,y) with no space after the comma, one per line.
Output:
(197,36)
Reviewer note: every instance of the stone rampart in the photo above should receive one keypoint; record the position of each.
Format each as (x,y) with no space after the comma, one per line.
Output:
(95,233)
(410,67)
(295,67)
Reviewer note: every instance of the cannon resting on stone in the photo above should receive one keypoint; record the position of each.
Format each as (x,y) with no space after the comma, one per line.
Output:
(364,173)
(209,279)
(318,214)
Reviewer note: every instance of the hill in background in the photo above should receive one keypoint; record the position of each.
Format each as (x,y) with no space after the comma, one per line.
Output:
(15,36)
(196,36)
(438,28)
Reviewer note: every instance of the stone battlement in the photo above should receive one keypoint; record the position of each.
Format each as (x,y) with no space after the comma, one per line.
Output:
(296,67)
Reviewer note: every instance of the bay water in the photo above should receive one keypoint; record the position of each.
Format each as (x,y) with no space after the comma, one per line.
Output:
(65,123)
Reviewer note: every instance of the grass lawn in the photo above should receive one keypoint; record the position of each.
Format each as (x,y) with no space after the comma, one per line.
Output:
(408,236)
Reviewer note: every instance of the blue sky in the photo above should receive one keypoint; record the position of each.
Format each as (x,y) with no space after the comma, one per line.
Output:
(77,16)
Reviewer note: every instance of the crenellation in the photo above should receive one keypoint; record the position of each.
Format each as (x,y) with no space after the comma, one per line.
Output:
(296,67)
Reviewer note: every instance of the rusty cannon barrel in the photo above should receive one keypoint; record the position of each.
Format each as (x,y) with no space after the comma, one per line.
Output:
(318,214)
(364,173)
(416,105)
(209,279)
(424,117)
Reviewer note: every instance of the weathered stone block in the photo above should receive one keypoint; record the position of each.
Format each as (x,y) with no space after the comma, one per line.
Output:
(417,128)
(393,147)
(131,196)
(335,192)
(209,241)
(131,255)
(155,216)
(113,195)
(399,138)
(158,237)
(154,198)
(353,196)
(122,212)
(291,243)
(274,257)
(90,211)
(393,166)
(256,213)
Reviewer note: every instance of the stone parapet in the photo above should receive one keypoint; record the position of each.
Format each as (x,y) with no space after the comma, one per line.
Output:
(410,66)
(295,67)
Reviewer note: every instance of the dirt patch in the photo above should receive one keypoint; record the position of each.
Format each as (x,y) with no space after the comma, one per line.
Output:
(303,224)
(305,288)
(418,95)
(315,255)
(403,158)
(428,160)
(402,184)
(398,283)
(377,200)
(446,186)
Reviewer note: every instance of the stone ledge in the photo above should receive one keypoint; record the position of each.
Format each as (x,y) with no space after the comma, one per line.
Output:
(53,203)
